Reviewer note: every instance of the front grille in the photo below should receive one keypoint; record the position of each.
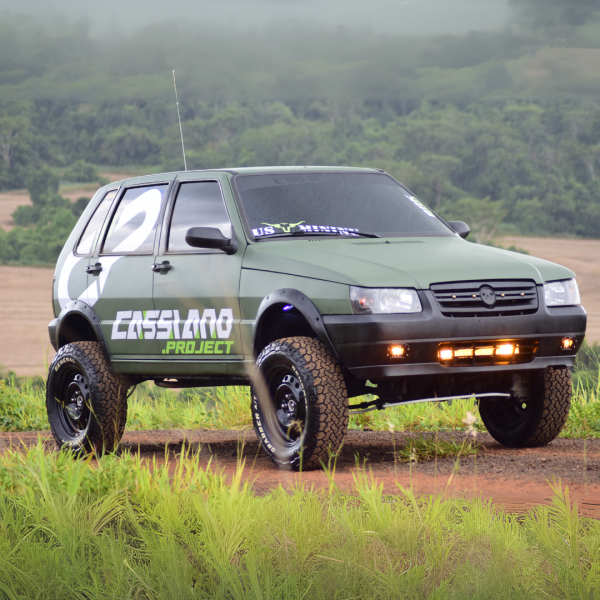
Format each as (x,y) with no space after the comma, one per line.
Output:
(464,298)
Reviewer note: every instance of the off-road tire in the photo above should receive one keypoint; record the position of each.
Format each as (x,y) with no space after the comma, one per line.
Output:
(532,421)
(85,400)
(306,371)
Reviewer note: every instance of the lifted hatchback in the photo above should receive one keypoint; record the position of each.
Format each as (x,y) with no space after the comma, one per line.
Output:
(314,286)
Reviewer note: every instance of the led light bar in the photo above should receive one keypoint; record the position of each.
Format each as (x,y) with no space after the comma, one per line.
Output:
(494,352)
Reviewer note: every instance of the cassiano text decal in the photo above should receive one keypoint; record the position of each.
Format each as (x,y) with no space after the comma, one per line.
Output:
(198,334)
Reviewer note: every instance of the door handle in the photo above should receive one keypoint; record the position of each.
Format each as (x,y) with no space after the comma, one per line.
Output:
(165,266)
(93,269)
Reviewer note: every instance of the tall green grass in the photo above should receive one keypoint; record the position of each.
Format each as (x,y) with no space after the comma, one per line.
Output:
(121,528)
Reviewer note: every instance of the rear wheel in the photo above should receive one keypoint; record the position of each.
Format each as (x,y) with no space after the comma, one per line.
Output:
(299,403)
(537,412)
(86,402)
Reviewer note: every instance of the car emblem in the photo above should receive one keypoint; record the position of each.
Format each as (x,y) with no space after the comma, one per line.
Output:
(488,296)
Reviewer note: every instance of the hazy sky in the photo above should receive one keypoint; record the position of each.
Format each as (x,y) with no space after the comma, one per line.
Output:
(384,16)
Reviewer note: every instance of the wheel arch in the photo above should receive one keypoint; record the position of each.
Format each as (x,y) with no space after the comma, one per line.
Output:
(77,322)
(303,319)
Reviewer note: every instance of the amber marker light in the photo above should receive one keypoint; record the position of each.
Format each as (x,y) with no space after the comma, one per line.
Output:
(463,353)
(505,350)
(484,352)
(397,351)
(567,343)
(446,354)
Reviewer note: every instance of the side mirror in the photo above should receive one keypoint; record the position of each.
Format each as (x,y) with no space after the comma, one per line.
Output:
(461,228)
(211,237)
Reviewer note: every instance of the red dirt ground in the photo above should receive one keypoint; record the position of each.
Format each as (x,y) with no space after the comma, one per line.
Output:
(515,479)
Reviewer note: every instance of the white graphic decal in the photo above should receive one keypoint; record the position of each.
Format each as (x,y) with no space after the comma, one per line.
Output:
(418,203)
(135,331)
(116,334)
(63,280)
(225,323)
(148,203)
(287,228)
(149,324)
(195,327)
(166,324)
(86,245)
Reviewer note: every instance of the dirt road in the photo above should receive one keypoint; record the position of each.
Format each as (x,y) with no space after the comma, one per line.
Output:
(25,309)
(517,479)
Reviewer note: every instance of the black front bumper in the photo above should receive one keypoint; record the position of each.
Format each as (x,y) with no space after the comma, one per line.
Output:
(362,341)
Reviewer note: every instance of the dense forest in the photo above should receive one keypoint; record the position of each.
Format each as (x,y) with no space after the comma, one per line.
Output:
(500,129)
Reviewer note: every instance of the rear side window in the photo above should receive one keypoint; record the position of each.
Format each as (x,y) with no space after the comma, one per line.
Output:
(133,226)
(198,204)
(88,240)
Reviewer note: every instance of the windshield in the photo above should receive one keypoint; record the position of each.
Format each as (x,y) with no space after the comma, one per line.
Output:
(333,203)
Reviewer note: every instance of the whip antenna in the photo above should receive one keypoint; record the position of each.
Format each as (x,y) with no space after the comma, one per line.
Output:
(179,117)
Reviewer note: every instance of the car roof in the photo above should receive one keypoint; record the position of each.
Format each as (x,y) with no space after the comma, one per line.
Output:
(246,171)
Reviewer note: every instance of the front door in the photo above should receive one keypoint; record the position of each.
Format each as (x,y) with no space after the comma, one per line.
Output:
(124,274)
(197,292)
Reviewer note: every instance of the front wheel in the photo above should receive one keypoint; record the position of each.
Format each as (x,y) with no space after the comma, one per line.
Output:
(537,412)
(86,402)
(299,403)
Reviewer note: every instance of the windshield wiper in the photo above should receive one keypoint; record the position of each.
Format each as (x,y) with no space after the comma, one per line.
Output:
(299,232)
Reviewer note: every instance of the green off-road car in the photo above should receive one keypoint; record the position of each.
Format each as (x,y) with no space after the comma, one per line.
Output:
(314,286)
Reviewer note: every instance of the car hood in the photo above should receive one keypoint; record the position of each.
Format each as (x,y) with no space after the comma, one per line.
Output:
(397,262)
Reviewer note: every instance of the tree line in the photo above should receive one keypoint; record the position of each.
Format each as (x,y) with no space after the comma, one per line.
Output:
(533,167)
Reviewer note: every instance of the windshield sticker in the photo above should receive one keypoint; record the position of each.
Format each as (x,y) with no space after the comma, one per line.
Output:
(285,227)
(288,227)
(418,203)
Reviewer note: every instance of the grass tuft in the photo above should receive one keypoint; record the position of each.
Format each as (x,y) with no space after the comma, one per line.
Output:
(423,449)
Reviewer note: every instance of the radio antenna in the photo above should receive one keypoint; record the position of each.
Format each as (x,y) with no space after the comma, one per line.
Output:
(179,117)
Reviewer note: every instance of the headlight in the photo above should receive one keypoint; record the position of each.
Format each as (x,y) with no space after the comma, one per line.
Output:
(562,293)
(367,301)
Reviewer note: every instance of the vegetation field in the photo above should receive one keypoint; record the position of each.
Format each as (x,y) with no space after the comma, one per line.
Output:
(124,530)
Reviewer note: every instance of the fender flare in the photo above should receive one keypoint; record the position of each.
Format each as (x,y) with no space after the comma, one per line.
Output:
(302,304)
(84,310)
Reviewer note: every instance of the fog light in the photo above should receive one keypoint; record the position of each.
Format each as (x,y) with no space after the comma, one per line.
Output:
(505,350)
(397,351)
(446,354)
(567,343)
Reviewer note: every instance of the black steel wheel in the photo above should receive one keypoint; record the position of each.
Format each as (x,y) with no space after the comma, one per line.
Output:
(536,413)
(85,401)
(299,403)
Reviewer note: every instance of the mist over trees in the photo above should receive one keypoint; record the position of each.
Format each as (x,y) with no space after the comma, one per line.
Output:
(502,122)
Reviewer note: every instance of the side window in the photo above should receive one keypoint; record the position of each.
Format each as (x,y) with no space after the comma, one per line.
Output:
(88,240)
(198,204)
(133,226)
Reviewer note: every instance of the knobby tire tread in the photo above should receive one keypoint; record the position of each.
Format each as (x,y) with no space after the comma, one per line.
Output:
(330,416)
(556,404)
(109,396)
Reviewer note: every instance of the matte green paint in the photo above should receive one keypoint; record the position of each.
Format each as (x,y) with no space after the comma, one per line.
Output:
(404,262)
(321,269)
